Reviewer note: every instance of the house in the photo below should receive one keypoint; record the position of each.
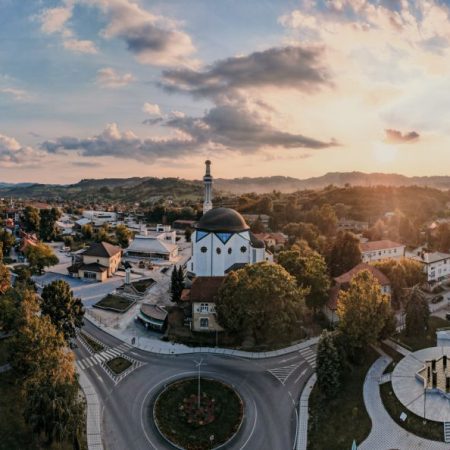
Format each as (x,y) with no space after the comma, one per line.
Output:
(252,218)
(275,240)
(65,226)
(99,262)
(342,282)
(202,297)
(379,250)
(352,225)
(99,218)
(27,240)
(157,245)
(436,265)
(183,224)
(153,316)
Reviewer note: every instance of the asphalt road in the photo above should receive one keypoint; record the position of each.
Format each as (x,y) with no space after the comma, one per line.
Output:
(270,389)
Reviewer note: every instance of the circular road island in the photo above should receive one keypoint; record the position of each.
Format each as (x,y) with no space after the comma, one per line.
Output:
(190,423)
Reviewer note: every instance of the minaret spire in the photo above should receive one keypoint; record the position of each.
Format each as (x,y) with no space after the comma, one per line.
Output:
(207,180)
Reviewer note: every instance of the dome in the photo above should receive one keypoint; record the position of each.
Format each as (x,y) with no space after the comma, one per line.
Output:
(222,219)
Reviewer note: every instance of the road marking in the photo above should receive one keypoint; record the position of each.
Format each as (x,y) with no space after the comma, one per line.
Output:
(283,373)
(303,373)
(99,377)
(288,359)
(254,425)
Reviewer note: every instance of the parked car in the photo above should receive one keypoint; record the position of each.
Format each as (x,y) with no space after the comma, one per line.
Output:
(437,299)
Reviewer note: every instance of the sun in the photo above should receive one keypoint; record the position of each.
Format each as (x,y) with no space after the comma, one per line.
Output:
(384,153)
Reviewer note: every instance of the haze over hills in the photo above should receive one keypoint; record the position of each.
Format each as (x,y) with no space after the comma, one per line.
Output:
(138,188)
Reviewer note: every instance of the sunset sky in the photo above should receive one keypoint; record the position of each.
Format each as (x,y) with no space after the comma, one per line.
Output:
(119,88)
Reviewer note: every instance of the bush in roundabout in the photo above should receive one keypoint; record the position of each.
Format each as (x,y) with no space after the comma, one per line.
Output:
(180,420)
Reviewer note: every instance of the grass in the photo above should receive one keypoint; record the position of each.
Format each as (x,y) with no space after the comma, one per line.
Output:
(394,354)
(93,345)
(118,365)
(142,285)
(115,303)
(426,429)
(174,423)
(337,422)
(425,339)
(15,434)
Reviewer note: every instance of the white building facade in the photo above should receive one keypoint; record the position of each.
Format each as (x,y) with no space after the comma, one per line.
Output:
(436,265)
(381,250)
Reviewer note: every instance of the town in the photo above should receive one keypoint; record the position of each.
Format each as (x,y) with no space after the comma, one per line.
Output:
(316,288)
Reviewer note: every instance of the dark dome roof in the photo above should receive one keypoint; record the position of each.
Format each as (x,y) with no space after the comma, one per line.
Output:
(222,219)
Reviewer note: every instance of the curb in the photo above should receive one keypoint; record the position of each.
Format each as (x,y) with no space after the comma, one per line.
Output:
(303,414)
(93,419)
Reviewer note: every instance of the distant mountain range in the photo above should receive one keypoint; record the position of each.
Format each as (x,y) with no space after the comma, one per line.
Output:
(137,189)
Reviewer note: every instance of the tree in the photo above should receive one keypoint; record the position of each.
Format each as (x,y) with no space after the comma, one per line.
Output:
(403,274)
(329,366)
(31,219)
(40,256)
(176,283)
(123,235)
(65,311)
(47,228)
(188,234)
(306,231)
(261,299)
(324,218)
(9,310)
(310,271)
(344,253)
(5,279)
(7,241)
(364,311)
(257,226)
(417,313)
(87,231)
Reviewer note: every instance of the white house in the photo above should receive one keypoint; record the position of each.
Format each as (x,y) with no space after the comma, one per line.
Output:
(379,250)
(153,246)
(436,265)
(99,218)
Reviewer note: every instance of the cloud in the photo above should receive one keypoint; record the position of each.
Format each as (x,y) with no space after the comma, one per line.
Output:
(109,78)
(397,137)
(154,40)
(286,67)
(151,108)
(13,154)
(17,94)
(55,21)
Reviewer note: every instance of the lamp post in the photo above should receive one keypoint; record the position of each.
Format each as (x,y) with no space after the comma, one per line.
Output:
(198,364)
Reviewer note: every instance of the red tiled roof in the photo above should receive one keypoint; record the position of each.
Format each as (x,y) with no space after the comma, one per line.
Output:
(347,276)
(204,289)
(378,245)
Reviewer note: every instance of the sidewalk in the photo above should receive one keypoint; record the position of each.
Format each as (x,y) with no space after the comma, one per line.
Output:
(93,419)
(167,348)
(385,433)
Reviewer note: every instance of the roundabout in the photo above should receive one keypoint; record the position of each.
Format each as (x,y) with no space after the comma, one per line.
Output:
(197,414)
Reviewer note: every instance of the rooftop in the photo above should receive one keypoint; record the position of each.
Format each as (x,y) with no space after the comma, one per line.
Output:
(222,219)
(205,289)
(378,245)
(102,250)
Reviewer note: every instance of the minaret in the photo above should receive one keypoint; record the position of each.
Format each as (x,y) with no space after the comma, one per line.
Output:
(207,180)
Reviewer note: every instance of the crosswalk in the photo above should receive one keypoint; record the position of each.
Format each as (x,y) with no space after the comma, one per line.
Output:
(310,355)
(101,357)
(283,373)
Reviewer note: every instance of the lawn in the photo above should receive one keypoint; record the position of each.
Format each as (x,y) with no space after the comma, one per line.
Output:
(142,285)
(118,365)
(425,339)
(14,432)
(337,423)
(394,354)
(93,345)
(414,424)
(179,418)
(114,303)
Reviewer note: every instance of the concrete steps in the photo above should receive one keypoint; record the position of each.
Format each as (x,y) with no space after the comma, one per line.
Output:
(447,432)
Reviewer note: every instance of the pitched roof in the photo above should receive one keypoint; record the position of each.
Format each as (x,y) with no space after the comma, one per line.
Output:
(378,245)
(102,250)
(93,267)
(150,244)
(205,289)
(378,275)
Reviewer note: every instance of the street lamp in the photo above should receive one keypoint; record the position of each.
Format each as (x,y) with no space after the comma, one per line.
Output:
(199,364)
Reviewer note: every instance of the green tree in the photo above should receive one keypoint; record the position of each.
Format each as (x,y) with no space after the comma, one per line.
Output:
(9,309)
(40,256)
(47,228)
(176,283)
(31,219)
(7,240)
(324,218)
(257,226)
(364,311)
(123,235)
(344,253)
(306,231)
(261,299)
(5,278)
(65,311)
(87,231)
(311,272)
(329,366)
(417,313)
(188,234)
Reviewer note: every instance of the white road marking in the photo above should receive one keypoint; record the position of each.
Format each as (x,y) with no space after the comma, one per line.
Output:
(298,378)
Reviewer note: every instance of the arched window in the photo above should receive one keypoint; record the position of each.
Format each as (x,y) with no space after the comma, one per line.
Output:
(203,249)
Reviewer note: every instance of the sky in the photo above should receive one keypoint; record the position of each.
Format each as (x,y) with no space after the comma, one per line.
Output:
(120,88)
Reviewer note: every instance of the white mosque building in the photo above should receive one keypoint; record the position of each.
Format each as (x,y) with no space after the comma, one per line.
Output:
(222,240)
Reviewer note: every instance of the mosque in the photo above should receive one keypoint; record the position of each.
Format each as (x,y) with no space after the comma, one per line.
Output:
(222,240)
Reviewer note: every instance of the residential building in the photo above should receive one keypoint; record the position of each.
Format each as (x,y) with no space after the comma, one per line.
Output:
(436,265)
(99,262)
(380,250)
(252,218)
(275,240)
(99,218)
(342,282)
(353,225)
(183,224)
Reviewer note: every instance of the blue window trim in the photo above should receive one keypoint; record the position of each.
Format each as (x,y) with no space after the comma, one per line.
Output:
(199,235)
(224,237)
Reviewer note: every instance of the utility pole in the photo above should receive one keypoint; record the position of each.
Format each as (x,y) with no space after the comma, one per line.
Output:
(198,364)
